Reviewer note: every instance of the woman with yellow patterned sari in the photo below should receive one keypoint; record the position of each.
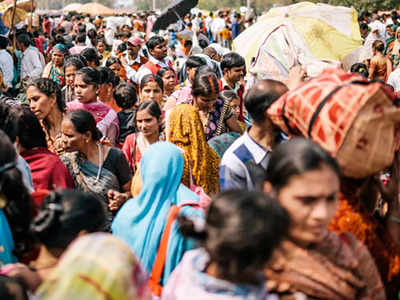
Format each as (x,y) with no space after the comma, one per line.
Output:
(184,129)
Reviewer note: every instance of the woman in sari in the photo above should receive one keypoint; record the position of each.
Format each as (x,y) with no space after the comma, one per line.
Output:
(315,263)
(216,115)
(141,220)
(148,122)
(95,167)
(109,81)
(83,274)
(184,129)
(46,102)
(54,70)
(87,82)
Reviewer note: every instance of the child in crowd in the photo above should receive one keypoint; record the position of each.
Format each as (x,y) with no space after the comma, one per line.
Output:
(241,231)
(233,99)
(126,98)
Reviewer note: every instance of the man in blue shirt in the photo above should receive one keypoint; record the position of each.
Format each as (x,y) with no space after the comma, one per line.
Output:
(248,156)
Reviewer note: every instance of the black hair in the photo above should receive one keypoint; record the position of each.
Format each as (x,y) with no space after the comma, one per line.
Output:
(24,39)
(59,39)
(112,60)
(164,70)
(83,122)
(77,61)
(261,96)
(232,60)
(122,47)
(378,45)
(205,82)
(228,95)
(92,33)
(152,106)
(154,42)
(80,38)
(90,54)
(195,62)
(8,121)
(151,78)
(108,76)
(82,28)
(3,42)
(9,287)
(90,76)
(18,209)
(203,43)
(64,214)
(49,87)
(125,95)
(30,132)
(295,157)
(242,230)
(363,26)
(360,68)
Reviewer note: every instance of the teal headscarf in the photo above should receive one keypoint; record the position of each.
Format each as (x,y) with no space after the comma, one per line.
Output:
(140,221)
(61,47)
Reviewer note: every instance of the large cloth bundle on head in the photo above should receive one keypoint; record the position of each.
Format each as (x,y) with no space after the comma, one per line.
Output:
(353,119)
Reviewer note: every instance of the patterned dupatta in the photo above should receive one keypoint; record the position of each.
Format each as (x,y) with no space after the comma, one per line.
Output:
(85,174)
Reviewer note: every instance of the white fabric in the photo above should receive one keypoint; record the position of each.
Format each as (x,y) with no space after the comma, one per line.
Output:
(130,72)
(378,25)
(7,67)
(143,70)
(217,25)
(31,63)
(394,80)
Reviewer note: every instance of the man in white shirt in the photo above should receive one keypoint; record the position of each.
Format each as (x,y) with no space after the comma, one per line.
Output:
(132,60)
(31,62)
(6,62)
(376,24)
(217,25)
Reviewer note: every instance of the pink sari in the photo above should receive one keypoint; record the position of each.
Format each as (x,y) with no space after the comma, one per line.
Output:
(104,115)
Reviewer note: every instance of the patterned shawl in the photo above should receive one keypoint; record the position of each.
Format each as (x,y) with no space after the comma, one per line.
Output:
(84,274)
(185,130)
(338,268)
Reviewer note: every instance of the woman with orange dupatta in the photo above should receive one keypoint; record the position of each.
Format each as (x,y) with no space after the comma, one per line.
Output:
(381,234)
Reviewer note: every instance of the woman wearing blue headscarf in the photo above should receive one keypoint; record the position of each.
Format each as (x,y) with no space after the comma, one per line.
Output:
(54,70)
(141,220)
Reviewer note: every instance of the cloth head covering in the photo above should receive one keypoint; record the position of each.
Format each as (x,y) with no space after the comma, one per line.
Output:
(185,130)
(141,220)
(96,266)
(61,47)
(135,41)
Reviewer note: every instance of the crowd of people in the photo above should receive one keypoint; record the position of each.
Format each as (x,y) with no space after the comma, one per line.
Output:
(148,166)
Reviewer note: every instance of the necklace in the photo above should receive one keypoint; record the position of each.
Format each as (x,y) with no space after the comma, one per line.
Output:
(207,119)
